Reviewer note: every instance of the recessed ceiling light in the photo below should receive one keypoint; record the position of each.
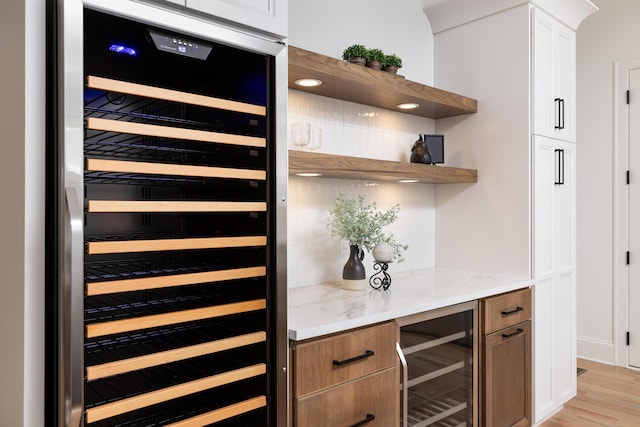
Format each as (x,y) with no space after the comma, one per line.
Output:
(309,174)
(408,106)
(308,82)
(408,181)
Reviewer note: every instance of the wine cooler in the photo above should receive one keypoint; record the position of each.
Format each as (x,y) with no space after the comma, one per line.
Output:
(172,294)
(438,351)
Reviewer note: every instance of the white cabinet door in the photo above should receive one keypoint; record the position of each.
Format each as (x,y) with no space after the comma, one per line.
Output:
(553,78)
(543,200)
(269,16)
(564,208)
(554,261)
(564,339)
(564,64)
(543,398)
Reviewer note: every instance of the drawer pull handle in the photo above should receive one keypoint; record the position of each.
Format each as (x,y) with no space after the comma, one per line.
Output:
(368,419)
(518,331)
(366,354)
(514,311)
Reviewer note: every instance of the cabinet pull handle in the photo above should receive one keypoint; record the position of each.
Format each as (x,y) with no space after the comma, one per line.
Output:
(514,311)
(559,167)
(557,102)
(368,419)
(518,331)
(366,354)
(560,110)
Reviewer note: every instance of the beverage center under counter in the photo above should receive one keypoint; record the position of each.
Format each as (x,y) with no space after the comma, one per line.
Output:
(417,354)
(326,308)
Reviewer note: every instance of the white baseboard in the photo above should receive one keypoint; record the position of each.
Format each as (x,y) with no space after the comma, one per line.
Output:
(596,350)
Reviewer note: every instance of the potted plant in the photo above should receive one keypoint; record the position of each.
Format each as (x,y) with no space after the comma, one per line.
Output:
(374,58)
(391,63)
(355,54)
(361,225)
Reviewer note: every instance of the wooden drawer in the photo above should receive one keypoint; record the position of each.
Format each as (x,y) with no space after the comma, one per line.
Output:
(325,362)
(502,311)
(373,398)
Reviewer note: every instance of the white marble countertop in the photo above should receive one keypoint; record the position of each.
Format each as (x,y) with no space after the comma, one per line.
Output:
(327,308)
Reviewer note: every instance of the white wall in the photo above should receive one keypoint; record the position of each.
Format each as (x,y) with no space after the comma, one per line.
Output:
(359,130)
(399,26)
(350,129)
(22,224)
(485,226)
(607,36)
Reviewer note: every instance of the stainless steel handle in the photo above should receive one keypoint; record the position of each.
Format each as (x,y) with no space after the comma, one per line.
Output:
(72,310)
(405,389)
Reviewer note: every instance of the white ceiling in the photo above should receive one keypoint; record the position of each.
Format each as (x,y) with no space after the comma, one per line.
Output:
(430,3)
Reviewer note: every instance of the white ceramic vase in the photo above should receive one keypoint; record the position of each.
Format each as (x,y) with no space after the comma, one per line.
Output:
(383,252)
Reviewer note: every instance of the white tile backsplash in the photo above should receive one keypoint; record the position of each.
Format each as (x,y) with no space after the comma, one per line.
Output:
(350,129)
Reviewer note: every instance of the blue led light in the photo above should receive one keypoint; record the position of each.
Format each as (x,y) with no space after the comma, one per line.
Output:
(118,48)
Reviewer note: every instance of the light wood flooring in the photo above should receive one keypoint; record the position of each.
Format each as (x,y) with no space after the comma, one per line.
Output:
(607,396)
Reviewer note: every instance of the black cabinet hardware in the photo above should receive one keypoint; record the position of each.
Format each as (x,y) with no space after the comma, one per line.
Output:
(368,419)
(560,110)
(514,311)
(559,167)
(366,354)
(512,334)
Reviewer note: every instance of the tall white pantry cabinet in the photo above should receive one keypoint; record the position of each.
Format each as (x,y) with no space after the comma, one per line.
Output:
(554,217)
(518,59)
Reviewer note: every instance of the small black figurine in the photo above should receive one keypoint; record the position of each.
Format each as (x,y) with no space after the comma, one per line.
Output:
(420,152)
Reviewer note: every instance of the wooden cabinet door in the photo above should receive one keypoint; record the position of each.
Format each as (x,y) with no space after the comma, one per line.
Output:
(507,377)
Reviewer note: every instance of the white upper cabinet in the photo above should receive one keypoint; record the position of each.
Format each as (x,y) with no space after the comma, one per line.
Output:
(269,16)
(554,48)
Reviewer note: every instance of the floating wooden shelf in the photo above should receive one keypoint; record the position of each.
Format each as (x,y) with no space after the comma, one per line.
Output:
(355,83)
(333,166)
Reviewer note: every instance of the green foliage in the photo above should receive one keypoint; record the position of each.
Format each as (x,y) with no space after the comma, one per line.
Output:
(359,223)
(354,51)
(392,60)
(374,55)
